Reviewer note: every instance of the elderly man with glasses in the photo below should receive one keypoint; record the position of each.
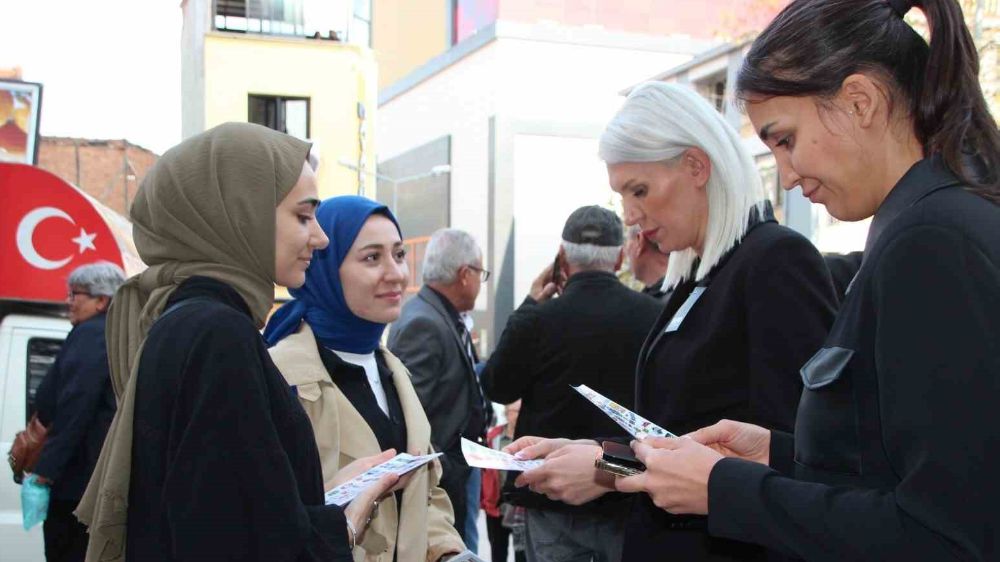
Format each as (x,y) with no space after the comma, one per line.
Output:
(432,340)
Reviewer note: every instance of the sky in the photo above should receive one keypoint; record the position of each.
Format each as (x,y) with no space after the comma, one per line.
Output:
(110,69)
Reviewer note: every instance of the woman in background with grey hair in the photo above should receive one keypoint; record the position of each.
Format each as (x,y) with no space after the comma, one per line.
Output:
(752,300)
(91,287)
(76,403)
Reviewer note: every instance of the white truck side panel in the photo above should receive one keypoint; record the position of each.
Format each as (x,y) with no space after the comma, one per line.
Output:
(16,331)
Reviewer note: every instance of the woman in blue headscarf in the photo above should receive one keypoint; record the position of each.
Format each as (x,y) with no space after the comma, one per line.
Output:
(326,343)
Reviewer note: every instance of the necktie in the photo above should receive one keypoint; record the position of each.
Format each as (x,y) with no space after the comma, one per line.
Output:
(470,351)
(470,348)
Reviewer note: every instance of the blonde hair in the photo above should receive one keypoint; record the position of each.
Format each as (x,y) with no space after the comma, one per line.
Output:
(658,123)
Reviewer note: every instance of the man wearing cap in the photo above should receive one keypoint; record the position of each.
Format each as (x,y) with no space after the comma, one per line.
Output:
(590,334)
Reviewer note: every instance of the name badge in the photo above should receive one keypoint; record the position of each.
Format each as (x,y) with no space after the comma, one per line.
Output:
(682,312)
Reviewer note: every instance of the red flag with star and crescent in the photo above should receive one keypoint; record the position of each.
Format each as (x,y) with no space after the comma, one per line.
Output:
(48,228)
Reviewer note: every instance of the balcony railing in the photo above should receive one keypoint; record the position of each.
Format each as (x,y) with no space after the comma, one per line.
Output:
(415,250)
(270,17)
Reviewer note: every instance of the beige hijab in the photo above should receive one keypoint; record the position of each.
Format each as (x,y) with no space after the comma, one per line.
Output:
(206,208)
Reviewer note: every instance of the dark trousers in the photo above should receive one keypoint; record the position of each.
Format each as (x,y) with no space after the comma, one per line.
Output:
(499,540)
(454,481)
(65,537)
(554,536)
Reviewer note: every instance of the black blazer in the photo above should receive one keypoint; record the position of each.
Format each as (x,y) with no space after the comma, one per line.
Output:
(897,447)
(765,310)
(76,402)
(591,335)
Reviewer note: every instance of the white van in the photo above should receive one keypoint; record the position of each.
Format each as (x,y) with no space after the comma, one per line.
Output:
(33,307)
(28,347)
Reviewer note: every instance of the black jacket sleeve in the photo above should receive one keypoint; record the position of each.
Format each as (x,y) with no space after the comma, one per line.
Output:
(45,395)
(511,368)
(782,452)
(83,380)
(937,359)
(230,491)
(790,307)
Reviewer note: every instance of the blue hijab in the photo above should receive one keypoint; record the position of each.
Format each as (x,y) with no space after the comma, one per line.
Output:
(320,301)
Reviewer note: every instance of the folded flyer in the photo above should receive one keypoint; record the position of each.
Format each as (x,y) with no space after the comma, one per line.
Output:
(484,457)
(400,464)
(638,426)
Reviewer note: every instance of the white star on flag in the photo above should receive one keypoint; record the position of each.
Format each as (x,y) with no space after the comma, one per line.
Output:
(85,241)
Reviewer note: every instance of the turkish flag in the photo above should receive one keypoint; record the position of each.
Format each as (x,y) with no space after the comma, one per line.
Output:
(48,228)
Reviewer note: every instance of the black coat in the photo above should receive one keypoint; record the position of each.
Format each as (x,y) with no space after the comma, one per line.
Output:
(843,268)
(896,448)
(224,462)
(765,309)
(590,335)
(656,291)
(76,402)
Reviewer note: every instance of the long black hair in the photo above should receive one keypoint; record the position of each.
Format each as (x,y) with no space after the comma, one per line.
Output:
(813,45)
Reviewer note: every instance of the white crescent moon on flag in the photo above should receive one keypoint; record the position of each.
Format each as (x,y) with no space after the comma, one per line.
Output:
(25,231)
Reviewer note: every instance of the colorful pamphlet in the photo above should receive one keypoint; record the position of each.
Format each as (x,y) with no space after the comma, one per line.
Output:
(484,457)
(638,426)
(400,464)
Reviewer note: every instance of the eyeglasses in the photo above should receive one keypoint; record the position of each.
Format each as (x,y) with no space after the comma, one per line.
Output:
(484,274)
(72,294)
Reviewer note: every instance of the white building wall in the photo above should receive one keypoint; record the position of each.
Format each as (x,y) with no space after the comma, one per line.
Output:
(522,77)
(570,82)
(197,22)
(459,102)
(553,176)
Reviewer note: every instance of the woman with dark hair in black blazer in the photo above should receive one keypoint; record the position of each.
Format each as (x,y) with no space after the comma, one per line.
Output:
(752,300)
(896,452)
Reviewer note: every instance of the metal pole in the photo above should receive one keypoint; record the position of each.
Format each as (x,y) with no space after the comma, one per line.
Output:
(979,22)
(395,199)
(76,155)
(125,174)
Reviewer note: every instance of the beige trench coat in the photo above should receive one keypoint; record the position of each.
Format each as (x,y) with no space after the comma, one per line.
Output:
(423,530)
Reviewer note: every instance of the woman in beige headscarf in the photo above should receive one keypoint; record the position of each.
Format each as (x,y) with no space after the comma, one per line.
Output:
(210,456)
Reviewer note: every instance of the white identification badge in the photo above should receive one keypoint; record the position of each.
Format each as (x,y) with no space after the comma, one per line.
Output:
(682,312)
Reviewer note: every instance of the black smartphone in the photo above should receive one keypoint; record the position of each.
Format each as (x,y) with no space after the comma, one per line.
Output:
(619,460)
(556,273)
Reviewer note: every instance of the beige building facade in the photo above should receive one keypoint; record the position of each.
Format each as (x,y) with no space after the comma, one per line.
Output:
(267,62)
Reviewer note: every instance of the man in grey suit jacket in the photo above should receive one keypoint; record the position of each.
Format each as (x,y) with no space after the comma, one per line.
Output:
(431,339)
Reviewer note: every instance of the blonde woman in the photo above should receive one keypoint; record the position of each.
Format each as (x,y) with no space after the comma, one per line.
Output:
(751,301)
